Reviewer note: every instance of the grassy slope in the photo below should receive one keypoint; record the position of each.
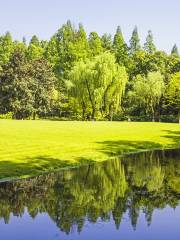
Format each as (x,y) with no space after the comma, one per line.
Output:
(30,147)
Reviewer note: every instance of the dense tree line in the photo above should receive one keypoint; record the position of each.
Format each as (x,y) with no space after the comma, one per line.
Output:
(75,76)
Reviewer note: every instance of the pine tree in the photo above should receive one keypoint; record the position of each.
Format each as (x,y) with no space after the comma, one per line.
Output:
(149,45)
(174,50)
(120,47)
(135,41)
(106,41)
(95,44)
(35,41)
(64,39)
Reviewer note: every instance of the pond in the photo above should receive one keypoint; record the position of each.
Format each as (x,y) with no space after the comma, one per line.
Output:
(130,198)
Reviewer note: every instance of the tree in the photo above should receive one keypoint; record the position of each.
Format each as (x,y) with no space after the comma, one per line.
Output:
(64,39)
(135,41)
(16,94)
(77,84)
(95,44)
(80,47)
(35,50)
(6,48)
(173,93)
(51,53)
(120,48)
(43,86)
(106,42)
(174,50)
(100,84)
(149,45)
(148,91)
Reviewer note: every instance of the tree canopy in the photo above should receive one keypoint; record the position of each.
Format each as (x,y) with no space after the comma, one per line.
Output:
(79,76)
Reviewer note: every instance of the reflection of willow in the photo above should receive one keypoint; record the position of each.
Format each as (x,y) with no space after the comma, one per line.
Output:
(144,182)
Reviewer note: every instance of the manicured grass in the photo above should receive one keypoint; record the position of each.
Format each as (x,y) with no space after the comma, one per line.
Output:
(30,147)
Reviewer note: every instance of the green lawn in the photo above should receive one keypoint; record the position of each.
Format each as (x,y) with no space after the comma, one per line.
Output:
(30,147)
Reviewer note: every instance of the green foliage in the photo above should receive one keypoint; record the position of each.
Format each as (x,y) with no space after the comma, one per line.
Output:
(95,44)
(15,86)
(94,75)
(8,115)
(120,48)
(148,91)
(149,44)
(99,84)
(43,86)
(106,40)
(173,93)
(6,48)
(175,50)
(25,87)
(135,41)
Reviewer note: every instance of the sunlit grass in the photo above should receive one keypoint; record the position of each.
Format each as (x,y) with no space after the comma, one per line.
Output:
(31,147)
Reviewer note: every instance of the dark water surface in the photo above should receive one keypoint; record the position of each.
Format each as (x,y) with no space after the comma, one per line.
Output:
(136,197)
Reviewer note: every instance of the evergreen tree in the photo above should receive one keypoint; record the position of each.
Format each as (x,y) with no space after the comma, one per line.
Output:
(106,42)
(149,45)
(35,41)
(95,44)
(24,41)
(135,41)
(174,50)
(64,38)
(120,48)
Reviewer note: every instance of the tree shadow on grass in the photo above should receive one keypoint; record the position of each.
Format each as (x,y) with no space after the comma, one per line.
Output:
(174,136)
(36,166)
(39,164)
(119,147)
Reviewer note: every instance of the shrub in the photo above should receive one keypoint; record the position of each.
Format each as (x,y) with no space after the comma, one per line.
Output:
(8,115)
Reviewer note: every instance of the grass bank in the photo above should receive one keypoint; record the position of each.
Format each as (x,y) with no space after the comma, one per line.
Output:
(31,147)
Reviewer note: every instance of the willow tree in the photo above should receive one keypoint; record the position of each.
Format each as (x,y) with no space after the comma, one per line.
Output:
(99,83)
(78,87)
(173,93)
(148,91)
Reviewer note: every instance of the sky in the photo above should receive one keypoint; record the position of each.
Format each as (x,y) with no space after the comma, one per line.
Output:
(44,17)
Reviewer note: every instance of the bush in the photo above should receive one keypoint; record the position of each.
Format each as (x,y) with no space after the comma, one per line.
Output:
(8,115)
(169,118)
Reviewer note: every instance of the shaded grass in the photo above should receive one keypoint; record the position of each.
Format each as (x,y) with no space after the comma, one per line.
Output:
(31,147)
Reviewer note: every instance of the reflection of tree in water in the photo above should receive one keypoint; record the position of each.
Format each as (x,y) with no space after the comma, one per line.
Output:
(143,182)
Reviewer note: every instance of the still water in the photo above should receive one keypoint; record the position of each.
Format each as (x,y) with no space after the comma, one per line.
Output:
(135,197)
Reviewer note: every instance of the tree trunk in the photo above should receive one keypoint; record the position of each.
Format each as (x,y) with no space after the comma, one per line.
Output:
(93,114)
(34,115)
(111,113)
(83,110)
(83,113)
(153,113)
(153,118)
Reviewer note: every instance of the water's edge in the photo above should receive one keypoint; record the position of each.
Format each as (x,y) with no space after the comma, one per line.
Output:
(76,166)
